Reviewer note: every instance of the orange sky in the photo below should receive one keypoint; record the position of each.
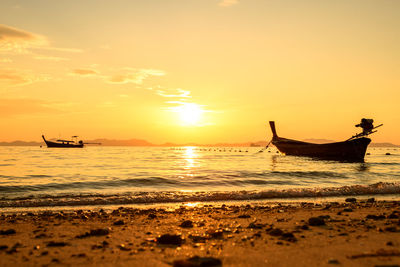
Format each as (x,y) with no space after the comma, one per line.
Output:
(202,71)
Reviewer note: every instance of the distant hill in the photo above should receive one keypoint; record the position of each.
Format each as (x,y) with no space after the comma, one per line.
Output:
(113,142)
(21,143)
(318,141)
(140,142)
(383,145)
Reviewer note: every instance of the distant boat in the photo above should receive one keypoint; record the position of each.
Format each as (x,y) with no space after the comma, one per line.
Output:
(63,143)
(352,150)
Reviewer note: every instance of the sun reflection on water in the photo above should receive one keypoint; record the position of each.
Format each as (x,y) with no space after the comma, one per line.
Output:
(190,156)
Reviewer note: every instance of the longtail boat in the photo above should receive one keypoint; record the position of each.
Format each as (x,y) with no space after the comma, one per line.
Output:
(351,150)
(64,143)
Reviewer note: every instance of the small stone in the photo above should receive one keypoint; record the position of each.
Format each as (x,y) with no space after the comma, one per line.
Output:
(152,216)
(316,221)
(254,225)
(198,238)
(168,239)
(351,200)
(215,233)
(305,227)
(44,253)
(57,244)
(119,222)
(123,247)
(289,237)
(186,224)
(333,261)
(197,261)
(95,232)
(275,232)
(392,229)
(7,232)
(371,200)
(375,217)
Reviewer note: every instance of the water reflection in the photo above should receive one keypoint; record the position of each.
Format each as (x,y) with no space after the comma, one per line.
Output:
(274,160)
(363,167)
(190,156)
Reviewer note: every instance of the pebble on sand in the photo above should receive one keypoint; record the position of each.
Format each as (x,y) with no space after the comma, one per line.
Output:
(168,239)
(316,221)
(7,232)
(95,232)
(351,200)
(186,224)
(197,261)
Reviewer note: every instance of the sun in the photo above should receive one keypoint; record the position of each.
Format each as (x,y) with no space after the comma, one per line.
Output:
(190,114)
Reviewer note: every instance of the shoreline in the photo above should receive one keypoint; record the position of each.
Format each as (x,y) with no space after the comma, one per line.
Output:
(215,203)
(356,232)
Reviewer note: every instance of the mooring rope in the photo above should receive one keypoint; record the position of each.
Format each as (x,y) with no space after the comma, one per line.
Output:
(263,149)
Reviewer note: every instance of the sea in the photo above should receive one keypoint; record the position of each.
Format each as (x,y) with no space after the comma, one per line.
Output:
(41,177)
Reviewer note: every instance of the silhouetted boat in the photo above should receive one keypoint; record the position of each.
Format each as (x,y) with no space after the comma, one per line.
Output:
(63,143)
(352,149)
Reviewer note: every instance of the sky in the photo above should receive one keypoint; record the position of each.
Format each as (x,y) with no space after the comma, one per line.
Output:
(204,71)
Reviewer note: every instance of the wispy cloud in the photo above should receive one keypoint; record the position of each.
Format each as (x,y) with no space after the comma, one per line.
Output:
(227,3)
(18,41)
(84,72)
(20,77)
(136,76)
(50,58)
(176,93)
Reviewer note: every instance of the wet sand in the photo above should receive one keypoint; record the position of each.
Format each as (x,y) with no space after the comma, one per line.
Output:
(358,232)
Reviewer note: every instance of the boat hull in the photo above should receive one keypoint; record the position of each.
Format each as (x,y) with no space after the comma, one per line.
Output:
(58,144)
(54,144)
(352,150)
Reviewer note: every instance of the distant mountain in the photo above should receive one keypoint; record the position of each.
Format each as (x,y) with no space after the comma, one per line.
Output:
(318,141)
(140,142)
(21,143)
(383,145)
(113,142)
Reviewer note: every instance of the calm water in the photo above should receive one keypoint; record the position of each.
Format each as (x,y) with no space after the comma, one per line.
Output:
(33,176)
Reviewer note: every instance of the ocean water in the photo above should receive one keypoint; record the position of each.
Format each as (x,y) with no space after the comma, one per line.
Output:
(96,175)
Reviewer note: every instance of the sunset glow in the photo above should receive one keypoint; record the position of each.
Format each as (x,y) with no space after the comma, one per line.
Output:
(192,71)
(190,114)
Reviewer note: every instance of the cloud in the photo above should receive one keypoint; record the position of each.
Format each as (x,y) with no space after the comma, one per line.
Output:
(23,106)
(50,58)
(227,3)
(84,72)
(177,93)
(136,76)
(20,77)
(17,40)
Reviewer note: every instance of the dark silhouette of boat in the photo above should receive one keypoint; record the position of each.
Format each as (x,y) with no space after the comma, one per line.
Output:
(351,150)
(64,143)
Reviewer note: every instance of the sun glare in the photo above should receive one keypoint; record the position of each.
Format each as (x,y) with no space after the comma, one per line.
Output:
(190,114)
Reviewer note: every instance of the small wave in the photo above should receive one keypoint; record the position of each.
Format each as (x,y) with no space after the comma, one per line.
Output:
(174,196)
(38,176)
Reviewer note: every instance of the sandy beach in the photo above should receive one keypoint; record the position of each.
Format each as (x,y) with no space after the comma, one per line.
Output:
(358,232)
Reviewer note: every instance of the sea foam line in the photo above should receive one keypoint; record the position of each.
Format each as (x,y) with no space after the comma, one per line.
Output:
(177,196)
